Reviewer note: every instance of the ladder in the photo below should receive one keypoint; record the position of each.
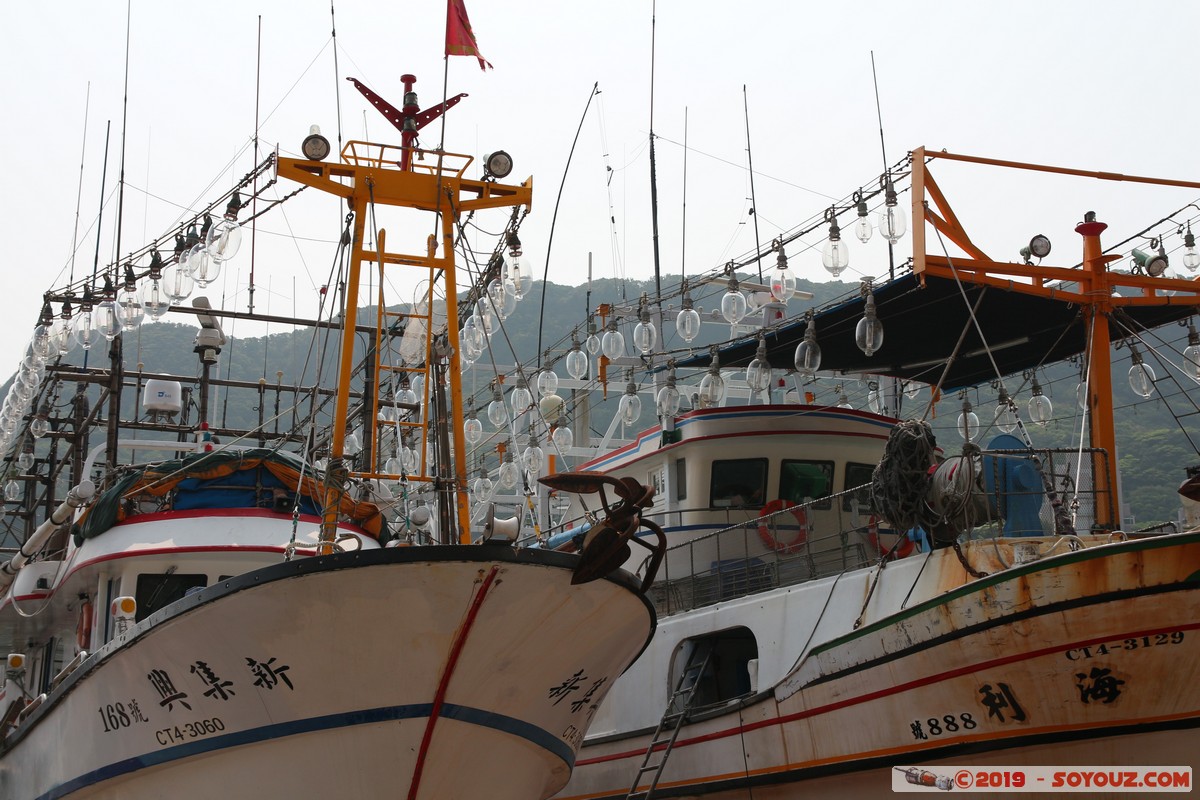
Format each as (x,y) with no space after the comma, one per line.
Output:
(672,722)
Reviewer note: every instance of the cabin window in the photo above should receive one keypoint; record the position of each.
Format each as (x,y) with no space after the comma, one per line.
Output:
(731,657)
(680,479)
(801,479)
(155,591)
(738,483)
(857,475)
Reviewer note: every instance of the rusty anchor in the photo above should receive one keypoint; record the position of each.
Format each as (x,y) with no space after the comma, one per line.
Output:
(606,545)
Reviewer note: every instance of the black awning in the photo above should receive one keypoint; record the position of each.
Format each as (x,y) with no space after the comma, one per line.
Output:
(922,325)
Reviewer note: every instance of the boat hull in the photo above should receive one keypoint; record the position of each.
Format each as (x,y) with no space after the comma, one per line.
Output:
(370,674)
(1087,658)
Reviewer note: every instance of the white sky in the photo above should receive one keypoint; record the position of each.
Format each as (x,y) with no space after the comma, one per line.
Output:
(1095,85)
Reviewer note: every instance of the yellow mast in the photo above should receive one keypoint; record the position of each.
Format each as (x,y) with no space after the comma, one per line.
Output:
(372,174)
(1094,294)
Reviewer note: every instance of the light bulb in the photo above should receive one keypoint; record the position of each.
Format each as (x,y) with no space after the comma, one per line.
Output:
(201,266)
(39,426)
(808,352)
(520,399)
(155,301)
(1041,410)
(593,343)
(968,423)
(519,274)
(62,340)
(130,311)
(874,397)
(508,473)
(577,363)
(712,389)
(783,282)
(482,486)
(472,334)
(912,389)
(485,316)
(224,239)
(177,283)
(503,297)
(733,304)
(547,383)
(630,408)
(352,444)
(667,400)
(25,461)
(862,228)
(843,401)
(758,373)
(1005,418)
(472,429)
(1141,379)
(687,323)
(835,257)
(1191,362)
(106,320)
(533,458)
(40,344)
(497,413)
(12,491)
(644,336)
(893,222)
(562,437)
(613,344)
(85,335)
(868,334)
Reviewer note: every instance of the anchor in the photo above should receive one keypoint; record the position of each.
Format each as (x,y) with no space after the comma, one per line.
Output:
(606,546)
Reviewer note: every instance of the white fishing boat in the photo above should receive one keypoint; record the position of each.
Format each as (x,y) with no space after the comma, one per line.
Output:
(286,610)
(843,598)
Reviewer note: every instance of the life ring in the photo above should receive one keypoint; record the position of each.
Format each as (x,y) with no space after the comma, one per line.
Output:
(83,628)
(903,548)
(765,528)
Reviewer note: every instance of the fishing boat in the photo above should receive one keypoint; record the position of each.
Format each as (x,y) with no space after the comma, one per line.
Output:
(298,607)
(846,596)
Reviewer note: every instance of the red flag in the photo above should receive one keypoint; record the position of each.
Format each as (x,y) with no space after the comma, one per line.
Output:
(460,41)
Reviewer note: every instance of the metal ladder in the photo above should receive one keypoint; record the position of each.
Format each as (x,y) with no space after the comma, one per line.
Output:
(672,722)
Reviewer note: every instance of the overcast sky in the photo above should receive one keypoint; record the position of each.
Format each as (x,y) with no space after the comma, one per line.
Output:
(1096,85)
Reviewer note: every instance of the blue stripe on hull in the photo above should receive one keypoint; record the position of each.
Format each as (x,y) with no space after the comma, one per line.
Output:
(474,716)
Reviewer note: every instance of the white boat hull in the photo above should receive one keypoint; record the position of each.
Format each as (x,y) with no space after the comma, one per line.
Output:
(373,674)
(1087,658)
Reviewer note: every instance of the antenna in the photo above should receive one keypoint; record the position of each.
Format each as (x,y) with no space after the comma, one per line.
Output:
(653,176)
(883,152)
(753,202)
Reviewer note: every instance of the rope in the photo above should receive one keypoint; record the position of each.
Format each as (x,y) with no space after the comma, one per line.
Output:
(901,478)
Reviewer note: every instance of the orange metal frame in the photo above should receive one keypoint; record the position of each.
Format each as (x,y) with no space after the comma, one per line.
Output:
(1094,293)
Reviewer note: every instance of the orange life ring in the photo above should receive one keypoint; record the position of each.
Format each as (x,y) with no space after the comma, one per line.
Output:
(903,549)
(83,628)
(767,535)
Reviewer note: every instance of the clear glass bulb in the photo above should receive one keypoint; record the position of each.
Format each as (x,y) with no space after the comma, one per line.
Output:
(1005,418)
(1191,362)
(533,458)
(893,223)
(547,383)
(201,266)
(687,324)
(868,335)
(592,344)
(25,461)
(1141,379)
(85,335)
(472,429)
(613,344)
(393,466)
(577,364)
(644,337)
(177,284)
(509,474)
(1041,410)
(712,390)
(874,398)
(562,437)
(835,256)
(485,316)
(863,229)
(667,401)
(912,389)
(224,239)
(808,357)
(482,487)
(843,401)
(130,311)
(1191,258)
(39,426)
(12,491)
(62,340)
(733,306)
(352,444)
(497,414)
(40,343)
(472,335)
(630,408)
(520,399)
(758,375)
(783,284)
(503,297)
(155,301)
(968,425)
(105,319)
(518,272)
